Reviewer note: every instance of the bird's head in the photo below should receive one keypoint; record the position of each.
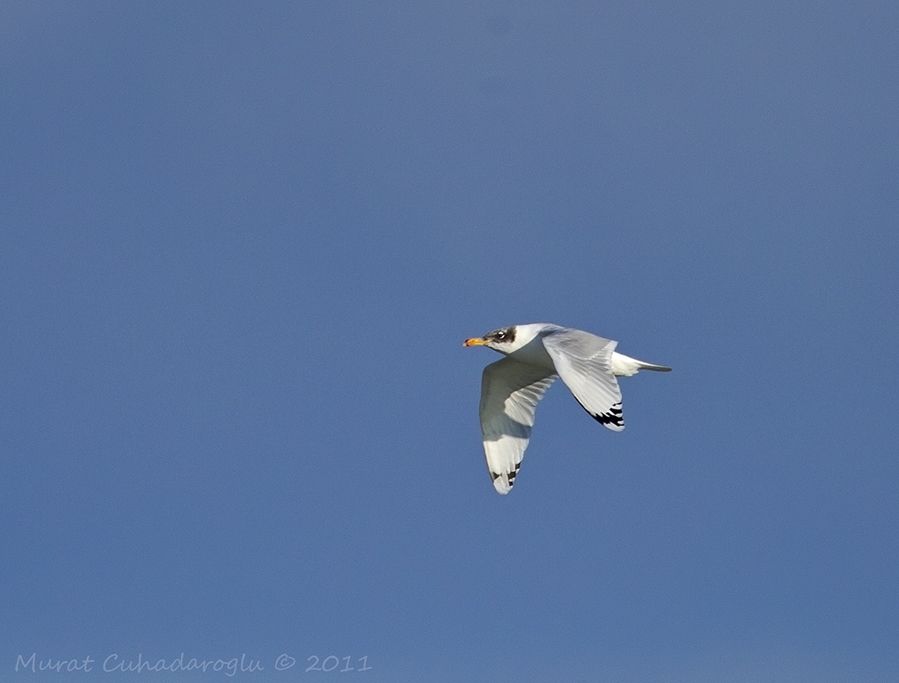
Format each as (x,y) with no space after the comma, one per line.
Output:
(510,339)
(505,340)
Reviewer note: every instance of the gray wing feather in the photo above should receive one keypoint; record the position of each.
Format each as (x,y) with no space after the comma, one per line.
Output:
(510,391)
(584,362)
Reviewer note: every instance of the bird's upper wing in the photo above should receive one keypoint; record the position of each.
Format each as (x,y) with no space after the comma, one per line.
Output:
(583,361)
(510,391)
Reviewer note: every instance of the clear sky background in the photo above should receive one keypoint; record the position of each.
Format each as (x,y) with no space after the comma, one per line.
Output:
(241,247)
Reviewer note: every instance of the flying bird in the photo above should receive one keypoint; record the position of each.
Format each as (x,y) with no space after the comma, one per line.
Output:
(535,355)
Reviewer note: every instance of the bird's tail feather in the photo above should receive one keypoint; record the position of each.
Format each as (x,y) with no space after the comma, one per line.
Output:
(653,366)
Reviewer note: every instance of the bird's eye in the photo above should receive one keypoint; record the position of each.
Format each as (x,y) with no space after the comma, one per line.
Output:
(501,335)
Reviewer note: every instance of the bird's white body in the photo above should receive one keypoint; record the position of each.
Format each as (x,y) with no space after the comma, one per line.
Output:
(537,354)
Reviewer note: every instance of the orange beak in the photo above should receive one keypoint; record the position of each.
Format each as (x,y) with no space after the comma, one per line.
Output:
(475,341)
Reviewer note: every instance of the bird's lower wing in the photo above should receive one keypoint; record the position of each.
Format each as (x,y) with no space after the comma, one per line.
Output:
(510,391)
(583,361)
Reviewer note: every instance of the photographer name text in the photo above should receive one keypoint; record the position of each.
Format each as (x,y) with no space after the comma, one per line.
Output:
(116,663)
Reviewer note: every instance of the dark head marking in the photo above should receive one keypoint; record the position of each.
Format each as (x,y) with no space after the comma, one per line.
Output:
(505,335)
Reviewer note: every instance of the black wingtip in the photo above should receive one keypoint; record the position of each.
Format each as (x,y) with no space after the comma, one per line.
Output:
(613,416)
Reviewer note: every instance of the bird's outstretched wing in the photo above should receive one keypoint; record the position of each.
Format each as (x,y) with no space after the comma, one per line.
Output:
(583,361)
(510,391)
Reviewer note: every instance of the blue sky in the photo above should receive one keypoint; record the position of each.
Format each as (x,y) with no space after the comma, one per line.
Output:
(242,246)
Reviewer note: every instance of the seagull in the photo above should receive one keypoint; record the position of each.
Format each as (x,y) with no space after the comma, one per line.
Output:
(535,355)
